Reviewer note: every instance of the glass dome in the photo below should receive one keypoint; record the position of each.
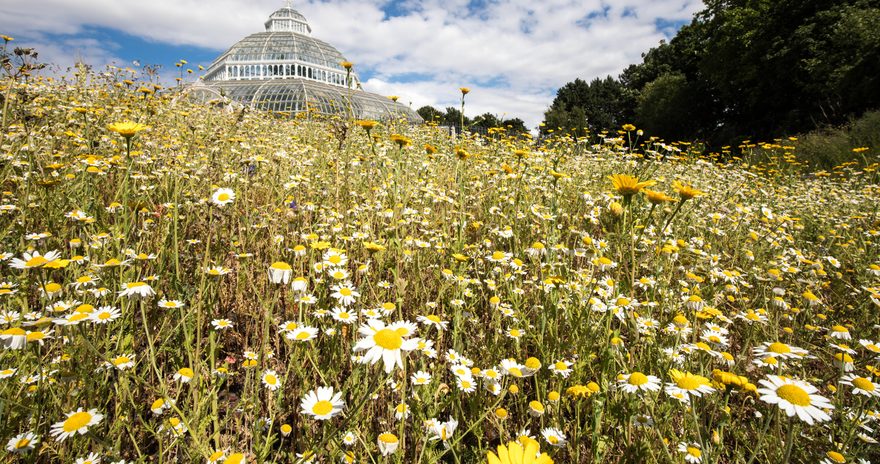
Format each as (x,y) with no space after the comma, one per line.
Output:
(299,95)
(286,69)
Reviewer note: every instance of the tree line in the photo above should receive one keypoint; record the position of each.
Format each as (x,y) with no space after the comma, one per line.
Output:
(755,69)
(479,124)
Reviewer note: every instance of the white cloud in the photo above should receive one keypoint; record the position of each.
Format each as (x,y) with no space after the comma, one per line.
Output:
(514,54)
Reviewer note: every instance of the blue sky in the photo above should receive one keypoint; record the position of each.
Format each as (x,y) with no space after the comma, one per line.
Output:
(513,54)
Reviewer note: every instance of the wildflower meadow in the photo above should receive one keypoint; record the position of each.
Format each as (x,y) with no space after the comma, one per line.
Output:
(210,283)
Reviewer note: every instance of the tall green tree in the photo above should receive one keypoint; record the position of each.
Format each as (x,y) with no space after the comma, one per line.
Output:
(580,107)
(743,69)
(430,114)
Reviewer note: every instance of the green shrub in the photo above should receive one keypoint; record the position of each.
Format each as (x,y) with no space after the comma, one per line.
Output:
(829,147)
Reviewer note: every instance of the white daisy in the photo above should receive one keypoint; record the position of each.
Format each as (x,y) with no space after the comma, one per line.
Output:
(271,380)
(861,385)
(104,315)
(692,452)
(35,259)
(221,324)
(420,378)
(343,315)
(280,272)
(22,443)
(170,304)
(795,397)
(322,403)
(384,343)
(77,421)
(637,382)
(388,443)
(554,436)
(137,289)
(184,375)
(92,458)
(13,338)
(121,362)
(345,293)
(302,334)
(222,196)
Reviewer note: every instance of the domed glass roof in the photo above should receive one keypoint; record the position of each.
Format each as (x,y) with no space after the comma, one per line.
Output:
(282,46)
(298,95)
(286,69)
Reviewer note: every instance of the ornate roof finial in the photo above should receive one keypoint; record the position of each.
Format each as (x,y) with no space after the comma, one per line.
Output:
(288,3)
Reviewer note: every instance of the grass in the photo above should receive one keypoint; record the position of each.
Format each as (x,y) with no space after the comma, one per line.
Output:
(510,266)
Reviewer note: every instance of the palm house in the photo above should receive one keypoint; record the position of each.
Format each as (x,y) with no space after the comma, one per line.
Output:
(285,69)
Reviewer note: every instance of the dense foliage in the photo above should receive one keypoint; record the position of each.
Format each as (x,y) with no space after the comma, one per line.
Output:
(745,69)
(481,124)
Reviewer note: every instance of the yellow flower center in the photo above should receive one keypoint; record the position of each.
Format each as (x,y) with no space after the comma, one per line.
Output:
(863,384)
(780,348)
(281,266)
(22,443)
(335,259)
(388,339)
(322,408)
(690,382)
(835,456)
(104,316)
(121,360)
(433,318)
(637,379)
(271,379)
(186,372)
(223,197)
(794,395)
(302,335)
(36,261)
(560,366)
(35,336)
(76,421)
(695,452)
(52,287)
(135,285)
(345,291)
(85,308)
(14,331)
(388,438)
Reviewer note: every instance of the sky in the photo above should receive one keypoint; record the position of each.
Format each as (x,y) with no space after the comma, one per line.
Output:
(512,54)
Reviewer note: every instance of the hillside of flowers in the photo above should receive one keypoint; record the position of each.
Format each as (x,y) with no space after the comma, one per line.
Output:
(209,283)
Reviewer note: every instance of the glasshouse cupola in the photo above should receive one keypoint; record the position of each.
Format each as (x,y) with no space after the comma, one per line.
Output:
(285,69)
